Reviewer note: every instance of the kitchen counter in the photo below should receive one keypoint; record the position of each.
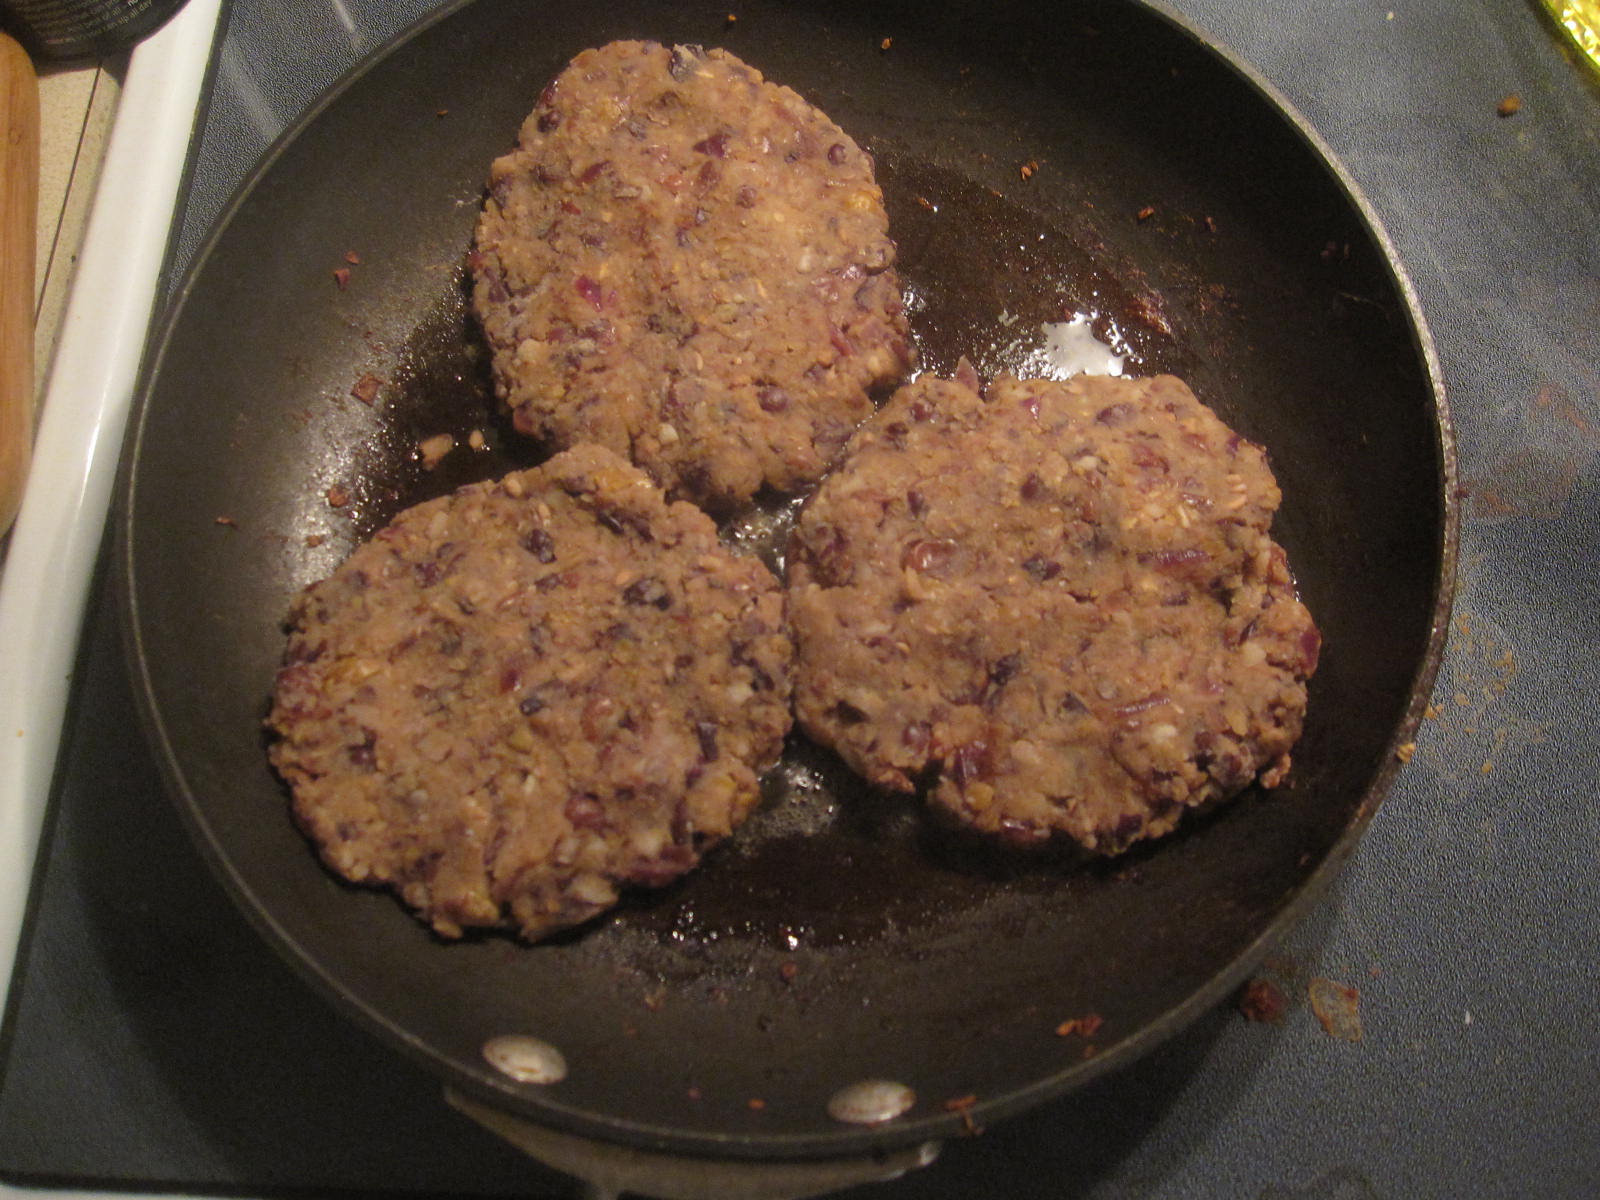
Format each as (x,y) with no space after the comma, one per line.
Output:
(1468,920)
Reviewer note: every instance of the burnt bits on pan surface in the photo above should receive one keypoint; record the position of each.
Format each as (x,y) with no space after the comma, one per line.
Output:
(1060,598)
(692,266)
(518,698)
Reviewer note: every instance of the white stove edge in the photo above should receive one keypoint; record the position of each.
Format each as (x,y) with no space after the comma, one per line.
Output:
(57,536)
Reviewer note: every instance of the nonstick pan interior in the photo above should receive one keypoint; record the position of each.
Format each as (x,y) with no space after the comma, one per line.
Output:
(1039,161)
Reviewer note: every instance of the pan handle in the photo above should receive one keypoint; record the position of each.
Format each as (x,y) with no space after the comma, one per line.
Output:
(610,1171)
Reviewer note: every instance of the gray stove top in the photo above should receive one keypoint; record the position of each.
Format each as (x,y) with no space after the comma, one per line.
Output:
(1467,920)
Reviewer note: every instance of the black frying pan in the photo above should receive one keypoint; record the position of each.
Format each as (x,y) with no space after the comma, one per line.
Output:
(838,937)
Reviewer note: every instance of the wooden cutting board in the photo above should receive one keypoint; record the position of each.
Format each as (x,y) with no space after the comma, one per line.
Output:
(19,185)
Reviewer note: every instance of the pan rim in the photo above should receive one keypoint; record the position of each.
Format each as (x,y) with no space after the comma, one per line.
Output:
(547,1109)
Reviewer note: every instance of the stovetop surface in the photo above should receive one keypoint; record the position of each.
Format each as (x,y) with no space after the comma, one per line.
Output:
(154,1043)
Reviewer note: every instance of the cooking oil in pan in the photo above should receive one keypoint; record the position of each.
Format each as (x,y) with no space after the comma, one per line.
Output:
(1067,348)
(1010,289)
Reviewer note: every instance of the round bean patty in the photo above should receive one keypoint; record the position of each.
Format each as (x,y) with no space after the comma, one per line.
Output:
(518,698)
(691,266)
(1056,606)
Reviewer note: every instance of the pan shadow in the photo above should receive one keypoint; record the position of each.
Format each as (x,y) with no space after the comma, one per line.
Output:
(1077,1144)
(1133,1129)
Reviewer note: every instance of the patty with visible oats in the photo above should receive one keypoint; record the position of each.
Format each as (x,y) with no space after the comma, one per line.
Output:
(692,266)
(1056,606)
(520,698)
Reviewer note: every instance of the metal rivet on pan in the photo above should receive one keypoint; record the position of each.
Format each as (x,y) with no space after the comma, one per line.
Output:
(525,1059)
(871,1102)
